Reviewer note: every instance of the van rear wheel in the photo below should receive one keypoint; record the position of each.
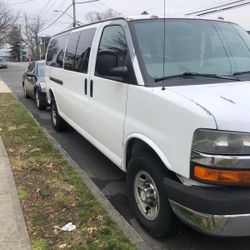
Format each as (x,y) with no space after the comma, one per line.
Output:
(147,198)
(57,121)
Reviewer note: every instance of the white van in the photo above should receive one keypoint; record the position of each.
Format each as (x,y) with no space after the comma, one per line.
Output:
(172,112)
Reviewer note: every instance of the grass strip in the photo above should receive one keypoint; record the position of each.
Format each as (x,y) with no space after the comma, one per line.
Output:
(51,192)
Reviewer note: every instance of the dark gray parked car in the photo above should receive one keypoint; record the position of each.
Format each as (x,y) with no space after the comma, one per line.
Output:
(33,84)
(3,64)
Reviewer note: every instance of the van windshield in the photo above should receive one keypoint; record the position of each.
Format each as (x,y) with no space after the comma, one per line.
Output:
(197,46)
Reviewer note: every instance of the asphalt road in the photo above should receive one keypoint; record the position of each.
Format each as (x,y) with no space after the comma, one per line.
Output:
(110,179)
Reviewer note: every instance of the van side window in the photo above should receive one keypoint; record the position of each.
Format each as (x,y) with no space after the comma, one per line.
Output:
(56,51)
(113,47)
(83,50)
(70,54)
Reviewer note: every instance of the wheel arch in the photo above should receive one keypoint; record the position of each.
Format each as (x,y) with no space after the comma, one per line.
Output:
(137,143)
(51,95)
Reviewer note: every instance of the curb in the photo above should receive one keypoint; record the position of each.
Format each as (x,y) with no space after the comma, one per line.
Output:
(23,236)
(127,229)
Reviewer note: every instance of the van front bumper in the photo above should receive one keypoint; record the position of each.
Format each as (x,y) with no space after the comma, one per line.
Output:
(218,211)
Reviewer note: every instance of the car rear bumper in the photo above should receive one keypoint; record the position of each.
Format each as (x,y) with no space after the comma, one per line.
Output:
(215,211)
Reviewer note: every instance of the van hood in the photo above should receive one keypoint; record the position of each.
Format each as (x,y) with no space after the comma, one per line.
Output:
(229,103)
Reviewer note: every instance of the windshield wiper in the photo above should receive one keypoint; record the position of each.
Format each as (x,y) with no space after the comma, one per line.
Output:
(241,73)
(190,74)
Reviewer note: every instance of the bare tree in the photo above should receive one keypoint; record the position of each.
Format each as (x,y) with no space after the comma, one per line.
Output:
(7,19)
(31,37)
(94,16)
(15,41)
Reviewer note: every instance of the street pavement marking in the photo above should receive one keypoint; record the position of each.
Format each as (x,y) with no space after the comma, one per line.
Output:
(4,88)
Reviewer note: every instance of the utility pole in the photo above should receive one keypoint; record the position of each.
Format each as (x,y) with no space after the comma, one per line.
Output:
(21,45)
(74,13)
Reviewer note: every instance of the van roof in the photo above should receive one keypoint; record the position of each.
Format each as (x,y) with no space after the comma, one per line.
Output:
(145,17)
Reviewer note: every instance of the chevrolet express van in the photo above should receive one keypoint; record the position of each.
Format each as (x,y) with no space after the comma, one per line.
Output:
(171,111)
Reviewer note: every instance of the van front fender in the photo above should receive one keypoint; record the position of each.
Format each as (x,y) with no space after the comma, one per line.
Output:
(150,143)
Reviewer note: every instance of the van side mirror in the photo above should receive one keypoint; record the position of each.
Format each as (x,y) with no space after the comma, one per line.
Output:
(106,64)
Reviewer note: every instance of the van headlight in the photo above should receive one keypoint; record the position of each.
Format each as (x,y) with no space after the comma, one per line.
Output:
(221,142)
(221,157)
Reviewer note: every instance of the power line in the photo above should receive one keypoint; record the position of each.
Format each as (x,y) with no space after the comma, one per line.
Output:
(64,12)
(70,16)
(216,7)
(56,19)
(208,6)
(69,27)
(42,19)
(74,8)
(40,11)
(224,9)
(24,2)
(50,6)
(89,1)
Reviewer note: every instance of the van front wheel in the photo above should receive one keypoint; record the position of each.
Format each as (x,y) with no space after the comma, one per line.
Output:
(57,121)
(147,198)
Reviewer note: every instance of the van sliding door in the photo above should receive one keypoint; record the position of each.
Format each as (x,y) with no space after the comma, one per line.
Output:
(108,92)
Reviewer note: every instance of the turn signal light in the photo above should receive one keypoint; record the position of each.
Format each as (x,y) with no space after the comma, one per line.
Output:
(222,176)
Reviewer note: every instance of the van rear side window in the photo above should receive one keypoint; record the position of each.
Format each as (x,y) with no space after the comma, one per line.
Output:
(83,50)
(78,51)
(56,51)
(70,55)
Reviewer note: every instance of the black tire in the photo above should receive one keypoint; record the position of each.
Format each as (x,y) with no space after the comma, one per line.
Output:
(165,223)
(25,92)
(38,101)
(57,121)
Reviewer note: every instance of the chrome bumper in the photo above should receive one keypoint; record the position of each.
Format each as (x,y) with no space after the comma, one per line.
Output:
(218,225)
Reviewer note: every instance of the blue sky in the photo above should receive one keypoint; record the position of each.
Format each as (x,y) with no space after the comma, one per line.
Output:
(46,9)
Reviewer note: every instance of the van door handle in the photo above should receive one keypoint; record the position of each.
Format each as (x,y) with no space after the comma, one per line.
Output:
(91,88)
(86,86)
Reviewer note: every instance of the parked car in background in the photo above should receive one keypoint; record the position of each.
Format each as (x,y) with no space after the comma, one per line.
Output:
(3,64)
(33,84)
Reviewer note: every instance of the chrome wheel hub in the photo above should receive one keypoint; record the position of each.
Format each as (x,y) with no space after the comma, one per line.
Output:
(146,195)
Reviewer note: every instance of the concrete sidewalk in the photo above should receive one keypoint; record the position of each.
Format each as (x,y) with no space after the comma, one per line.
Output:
(4,88)
(13,231)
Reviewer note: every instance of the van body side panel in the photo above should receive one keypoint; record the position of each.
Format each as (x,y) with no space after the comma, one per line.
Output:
(75,102)
(107,107)
(168,121)
(116,160)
